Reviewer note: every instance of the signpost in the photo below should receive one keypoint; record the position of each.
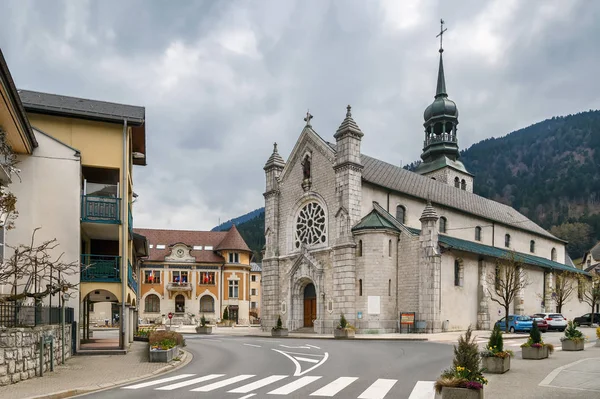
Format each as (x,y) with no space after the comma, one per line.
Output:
(407,319)
(170,320)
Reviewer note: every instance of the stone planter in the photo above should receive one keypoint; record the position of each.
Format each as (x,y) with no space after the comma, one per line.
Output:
(570,345)
(461,393)
(163,356)
(204,330)
(495,365)
(282,332)
(534,353)
(343,334)
(598,342)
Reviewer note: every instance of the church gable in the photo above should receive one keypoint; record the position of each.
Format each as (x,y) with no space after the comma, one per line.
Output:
(180,253)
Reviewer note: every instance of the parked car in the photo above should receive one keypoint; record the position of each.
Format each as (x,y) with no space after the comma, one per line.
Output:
(541,323)
(515,323)
(556,321)
(586,319)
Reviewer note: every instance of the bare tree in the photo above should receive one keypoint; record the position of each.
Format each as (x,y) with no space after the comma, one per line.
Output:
(504,283)
(564,285)
(30,266)
(589,287)
(8,201)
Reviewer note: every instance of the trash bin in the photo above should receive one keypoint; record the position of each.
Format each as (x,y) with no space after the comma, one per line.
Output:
(445,325)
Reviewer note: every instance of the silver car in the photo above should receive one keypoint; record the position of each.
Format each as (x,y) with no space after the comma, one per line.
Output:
(556,321)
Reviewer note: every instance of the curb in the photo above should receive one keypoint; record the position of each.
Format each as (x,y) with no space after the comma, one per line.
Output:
(103,387)
(325,337)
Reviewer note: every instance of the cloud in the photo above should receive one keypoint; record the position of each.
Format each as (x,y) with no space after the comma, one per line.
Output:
(221,81)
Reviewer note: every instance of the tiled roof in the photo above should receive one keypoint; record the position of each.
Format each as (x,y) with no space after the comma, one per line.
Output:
(595,251)
(374,220)
(233,240)
(80,107)
(188,237)
(256,267)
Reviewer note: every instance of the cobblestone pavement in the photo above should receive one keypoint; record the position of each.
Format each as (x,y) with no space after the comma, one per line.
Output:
(85,373)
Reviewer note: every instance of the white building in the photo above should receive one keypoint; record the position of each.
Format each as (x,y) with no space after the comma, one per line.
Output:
(348,233)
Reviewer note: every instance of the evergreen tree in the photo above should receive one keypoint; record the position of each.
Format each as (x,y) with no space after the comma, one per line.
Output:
(225,314)
(534,335)
(496,343)
(466,354)
(279,323)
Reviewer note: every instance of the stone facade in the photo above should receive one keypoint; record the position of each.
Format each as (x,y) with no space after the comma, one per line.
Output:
(20,351)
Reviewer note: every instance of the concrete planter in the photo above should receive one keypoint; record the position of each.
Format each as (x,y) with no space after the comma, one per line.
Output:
(343,334)
(598,342)
(204,330)
(570,345)
(534,353)
(163,356)
(495,365)
(461,393)
(282,332)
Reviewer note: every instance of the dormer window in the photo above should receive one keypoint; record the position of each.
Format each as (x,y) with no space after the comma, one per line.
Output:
(532,246)
(443,223)
(507,240)
(234,257)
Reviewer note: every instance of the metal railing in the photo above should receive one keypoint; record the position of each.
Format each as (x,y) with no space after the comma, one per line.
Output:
(177,286)
(131,281)
(130,221)
(100,209)
(17,315)
(100,268)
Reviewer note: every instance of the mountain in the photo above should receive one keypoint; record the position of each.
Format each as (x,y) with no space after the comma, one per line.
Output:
(252,229)
(549,171)
(239,220)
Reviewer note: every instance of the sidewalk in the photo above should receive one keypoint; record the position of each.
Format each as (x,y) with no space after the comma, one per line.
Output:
(81,374)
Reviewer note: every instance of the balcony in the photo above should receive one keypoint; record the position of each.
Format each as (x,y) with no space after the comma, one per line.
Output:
(100,209)
(100,268)
(130,221)
(179,287)
(131,280)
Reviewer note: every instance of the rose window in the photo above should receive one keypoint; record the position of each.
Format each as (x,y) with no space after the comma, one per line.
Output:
(310,225)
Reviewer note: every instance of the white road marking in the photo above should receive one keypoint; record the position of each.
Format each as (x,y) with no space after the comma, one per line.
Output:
(258,384)
(312,346)
(190,382)
(295,347)
(334,387)
(423,390)
(255,346)
(293,386)
(304,359)
(299,371)
(248,396)
(378,389)
(156,382)
(224,383)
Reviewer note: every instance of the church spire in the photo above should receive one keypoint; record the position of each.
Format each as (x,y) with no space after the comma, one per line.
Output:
(441,82)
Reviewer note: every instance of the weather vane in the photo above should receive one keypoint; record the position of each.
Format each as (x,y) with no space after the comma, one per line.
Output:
(441,34)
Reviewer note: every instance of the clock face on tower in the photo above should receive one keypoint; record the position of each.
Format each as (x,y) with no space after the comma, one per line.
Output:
(180,253)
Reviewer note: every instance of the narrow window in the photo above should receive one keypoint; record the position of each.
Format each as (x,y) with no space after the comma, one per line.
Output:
(390,249)
(233,288)
(457,273)
(497,279)
(359,249)
(234,257)
(463,184)
(507,240)
(253,278)
(532,246)
(390,287)
(360,287)
(477,233)
(456,182)
(443,224)
(401,214)
(553,254)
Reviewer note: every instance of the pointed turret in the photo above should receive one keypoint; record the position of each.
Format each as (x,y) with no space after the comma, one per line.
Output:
(348,125)
(441,83)
(428,213)
(275,159)
(233,241)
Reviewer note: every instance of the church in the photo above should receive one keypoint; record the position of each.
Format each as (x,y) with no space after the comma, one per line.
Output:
(391,248)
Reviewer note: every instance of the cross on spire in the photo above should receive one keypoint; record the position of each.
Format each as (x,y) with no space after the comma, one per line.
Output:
(441,34)
(308,118)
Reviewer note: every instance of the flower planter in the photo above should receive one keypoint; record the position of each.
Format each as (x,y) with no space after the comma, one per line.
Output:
(343,333)
(461,393)
(163,356)
(496,365)
(204,330)
(598,342)
(534,353)
(570,345)
(282,332)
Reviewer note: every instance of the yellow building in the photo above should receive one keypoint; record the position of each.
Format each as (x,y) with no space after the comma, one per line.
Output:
(195,273)
(255,297)
(110,138)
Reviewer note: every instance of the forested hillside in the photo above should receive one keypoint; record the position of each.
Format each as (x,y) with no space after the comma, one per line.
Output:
(549,171)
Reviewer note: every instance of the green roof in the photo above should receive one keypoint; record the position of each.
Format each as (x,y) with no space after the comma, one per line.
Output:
(374,220)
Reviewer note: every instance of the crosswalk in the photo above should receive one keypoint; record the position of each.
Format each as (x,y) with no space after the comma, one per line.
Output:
(281,385)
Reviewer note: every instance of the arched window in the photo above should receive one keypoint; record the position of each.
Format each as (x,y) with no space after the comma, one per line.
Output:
(477,233)
(553,254)
(401,214)
(359,248)
(207,304)
(152,304)
(390,287)
(458,273)
(456,182)
(507,240)
(443,223)
(360,287)
(531,246)
(463,184)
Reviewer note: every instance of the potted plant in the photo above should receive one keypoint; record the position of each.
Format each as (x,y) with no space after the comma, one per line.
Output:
(464,380)
(535,348)
(573,339)
(164,346)
(598,336)
(494,358)
(203,328)
(343,330)
(278,330)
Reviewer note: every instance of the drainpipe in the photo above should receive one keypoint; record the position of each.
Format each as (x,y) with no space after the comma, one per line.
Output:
(397,282)
(123,236)
(221,293)
(493,233)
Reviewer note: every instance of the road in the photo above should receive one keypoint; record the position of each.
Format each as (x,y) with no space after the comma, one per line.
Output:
(245,367)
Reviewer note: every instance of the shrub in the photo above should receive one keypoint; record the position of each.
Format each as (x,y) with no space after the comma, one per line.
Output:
(343,322)
(495,346)
(145,332)
(203,321)
(279,325)
(535,339)
(572,333)
(225,314)
(598,332)
(167,338)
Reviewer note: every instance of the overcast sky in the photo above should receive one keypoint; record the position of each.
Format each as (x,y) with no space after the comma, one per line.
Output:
(222,80)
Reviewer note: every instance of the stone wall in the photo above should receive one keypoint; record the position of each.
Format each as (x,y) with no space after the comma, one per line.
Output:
(20,351)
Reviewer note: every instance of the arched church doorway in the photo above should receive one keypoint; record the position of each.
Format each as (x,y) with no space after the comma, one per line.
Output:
(310,305)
